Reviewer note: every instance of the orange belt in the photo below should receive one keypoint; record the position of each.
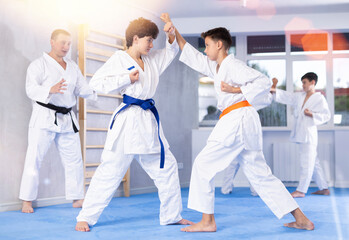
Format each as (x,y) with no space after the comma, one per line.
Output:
(235,106)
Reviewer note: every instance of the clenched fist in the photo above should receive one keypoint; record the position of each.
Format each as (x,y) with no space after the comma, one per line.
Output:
(134,76)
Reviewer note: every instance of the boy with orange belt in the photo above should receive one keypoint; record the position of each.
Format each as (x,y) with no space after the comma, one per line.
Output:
(237,136)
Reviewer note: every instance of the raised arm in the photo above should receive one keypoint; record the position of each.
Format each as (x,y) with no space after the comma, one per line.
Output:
(163,57)
(282,96)
(180,40)
(190,56)
(169,27)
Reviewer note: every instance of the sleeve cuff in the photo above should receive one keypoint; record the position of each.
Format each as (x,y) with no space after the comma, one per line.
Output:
(183,55)
(124,81)
(172,46)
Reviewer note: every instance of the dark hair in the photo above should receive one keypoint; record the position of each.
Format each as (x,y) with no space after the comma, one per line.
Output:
(220,33)
(140,27)
(56,32)
(211,109)
(310,76)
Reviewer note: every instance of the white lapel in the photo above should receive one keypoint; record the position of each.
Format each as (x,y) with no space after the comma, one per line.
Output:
(54,63)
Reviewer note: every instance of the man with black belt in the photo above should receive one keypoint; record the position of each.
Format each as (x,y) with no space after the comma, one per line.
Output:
(52,83)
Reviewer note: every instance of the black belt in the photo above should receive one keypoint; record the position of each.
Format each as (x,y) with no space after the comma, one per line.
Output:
(62,110)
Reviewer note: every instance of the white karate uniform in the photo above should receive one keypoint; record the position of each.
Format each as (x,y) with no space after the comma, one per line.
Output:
(231,171)
(134,135)
(42,74)
(228,179)
(237,136)
(304,132)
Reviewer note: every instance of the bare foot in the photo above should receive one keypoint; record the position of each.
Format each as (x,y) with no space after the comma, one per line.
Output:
(302,222)
(78,203)
(82,227)
(322,192)
(207,224)
(297,194)
(27,207)
(184,222)
(200,227)
(305,226)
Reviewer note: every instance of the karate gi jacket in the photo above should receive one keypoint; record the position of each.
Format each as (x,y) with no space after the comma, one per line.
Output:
(42,74)
(137,128)
(304,128)
(255,88)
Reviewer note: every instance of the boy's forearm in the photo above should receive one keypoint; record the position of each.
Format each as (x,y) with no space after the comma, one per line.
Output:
(180,40)
(171,38)
(236,90)
(231,89)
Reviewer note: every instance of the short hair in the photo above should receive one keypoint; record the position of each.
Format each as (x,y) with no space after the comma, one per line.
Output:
(140,27)
(220,33)
(211,109)
(56,32)
(310,76)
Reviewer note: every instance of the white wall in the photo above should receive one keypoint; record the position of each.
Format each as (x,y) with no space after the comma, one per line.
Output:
(341,158)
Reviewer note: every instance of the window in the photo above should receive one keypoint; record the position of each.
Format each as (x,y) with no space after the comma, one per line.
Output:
(208,113)
(341,42)
(302,67)
(341,91)
(275,113)
(266,45)
(309,42)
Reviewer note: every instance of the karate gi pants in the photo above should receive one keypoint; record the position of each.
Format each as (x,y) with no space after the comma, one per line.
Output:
(69,148)
(110,173)
(228,179)
(215,157)
(310,168)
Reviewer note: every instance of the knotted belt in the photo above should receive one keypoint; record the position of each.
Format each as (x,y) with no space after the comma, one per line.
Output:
(235,106)
(145,105)
(62,110)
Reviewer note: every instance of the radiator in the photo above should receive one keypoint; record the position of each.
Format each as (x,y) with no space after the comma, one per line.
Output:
(286,165)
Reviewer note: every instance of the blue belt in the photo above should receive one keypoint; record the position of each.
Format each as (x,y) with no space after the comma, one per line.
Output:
(145,104)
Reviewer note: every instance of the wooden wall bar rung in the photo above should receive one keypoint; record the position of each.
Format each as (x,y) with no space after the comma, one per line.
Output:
(92,164)
(97,129)
(99,52)
(89,174)
(94,146)
(108,34)
(106,44)
(99,112)
(110,95)
(96,59)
